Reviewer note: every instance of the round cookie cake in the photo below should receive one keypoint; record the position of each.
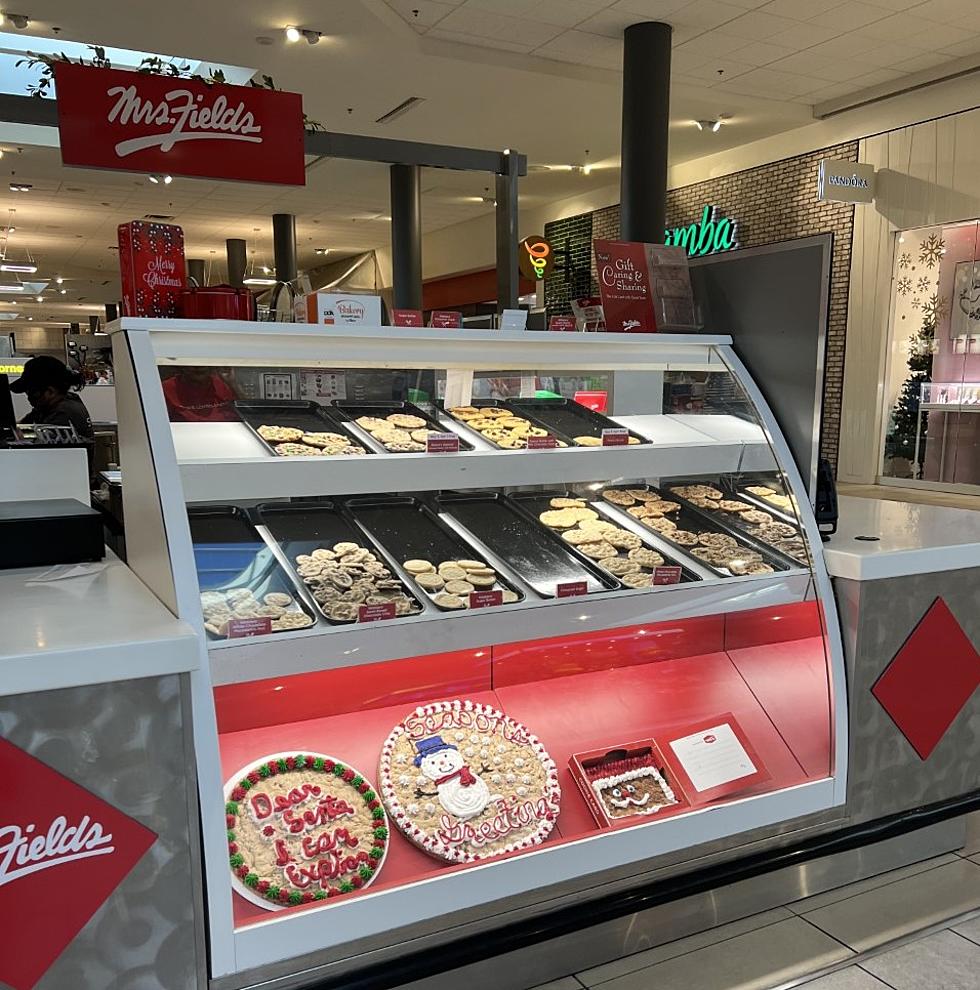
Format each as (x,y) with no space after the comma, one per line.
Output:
(302,827)
(465,782)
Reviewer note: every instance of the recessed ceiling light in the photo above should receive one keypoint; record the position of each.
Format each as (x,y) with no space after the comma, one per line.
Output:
(63,292)
(16,287)
(21,187)
(59,279)
(27,269)
(20,21)
(293,33)
(39,298)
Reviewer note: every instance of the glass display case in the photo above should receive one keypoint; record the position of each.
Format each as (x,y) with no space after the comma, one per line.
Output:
(465,643)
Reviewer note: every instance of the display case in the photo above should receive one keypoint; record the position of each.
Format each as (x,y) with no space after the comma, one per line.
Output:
(451,677)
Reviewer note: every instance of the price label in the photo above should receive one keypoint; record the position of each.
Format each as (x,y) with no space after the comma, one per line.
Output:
(373,613)
(666,575)
(442,443)
(406,317)
(571,588)
(615,438)
(444,319)
(486,599)
(240,628)
(541,443)
(562,323)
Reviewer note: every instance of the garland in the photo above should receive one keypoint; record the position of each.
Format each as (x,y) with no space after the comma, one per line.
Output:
(284,895)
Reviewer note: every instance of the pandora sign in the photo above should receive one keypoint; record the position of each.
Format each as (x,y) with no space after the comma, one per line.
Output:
(116,119)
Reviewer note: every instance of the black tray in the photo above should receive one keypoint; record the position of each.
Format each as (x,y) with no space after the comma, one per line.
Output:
(537,556)
(781,515)
(299,414)
(225,528)
(538,502)
(693,520)
(408,529)
(303,526)
(351,409)
(502,404)
(734,520)
(568,419)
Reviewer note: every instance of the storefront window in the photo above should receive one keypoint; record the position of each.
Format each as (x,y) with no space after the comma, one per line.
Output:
(932,381)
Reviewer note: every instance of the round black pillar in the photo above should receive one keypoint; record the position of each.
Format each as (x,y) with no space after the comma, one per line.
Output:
(284,245)
(406,237)
(646,119)
(235,250)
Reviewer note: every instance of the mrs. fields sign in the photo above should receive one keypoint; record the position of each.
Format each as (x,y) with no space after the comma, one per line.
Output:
(139,122)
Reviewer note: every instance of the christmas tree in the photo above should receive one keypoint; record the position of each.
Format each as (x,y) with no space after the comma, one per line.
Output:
(904,419)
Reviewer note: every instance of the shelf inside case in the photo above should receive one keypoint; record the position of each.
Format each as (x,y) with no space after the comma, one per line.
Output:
(576,694)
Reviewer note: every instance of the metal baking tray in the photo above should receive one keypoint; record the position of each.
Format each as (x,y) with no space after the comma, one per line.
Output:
(301,527)
(536,555)
(229,554)
(568,419)
(501,404)
(691,519)
(538,502)
(409,530)
(734,520)
(782,515)
(299,414)
(351,409)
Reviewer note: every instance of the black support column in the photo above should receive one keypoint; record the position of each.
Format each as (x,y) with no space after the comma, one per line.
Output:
(195,270)
(284,245)
(235,249)
(508,284)
(406,236)
(646,119)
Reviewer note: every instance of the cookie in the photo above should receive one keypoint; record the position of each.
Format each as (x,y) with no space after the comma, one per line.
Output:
(643,495)
(325,439)
(559,518)
(406,421)
(622,539)
(730,505)
(430,581)
(481,580)
(509,597)
(279,434)
(760,491)
(278,598)
(639,579)
(296,450)
(418,566)
(567,503)
(451,571)
(465,412)
(645,557)
(292,620)
(717,540)
(446,600)
(598,550)
(576,537)
(661,525)
(618,497)
(511,796)
(683,537)
(459,588)
(757,516)
(471,565)
(588,441)
(619,565)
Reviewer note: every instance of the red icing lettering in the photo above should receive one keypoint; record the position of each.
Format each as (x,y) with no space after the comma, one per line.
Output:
(261,806)
(509,818)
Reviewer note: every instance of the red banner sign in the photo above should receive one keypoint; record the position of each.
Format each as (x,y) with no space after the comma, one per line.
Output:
(63,851)
(135,122)
(624,286)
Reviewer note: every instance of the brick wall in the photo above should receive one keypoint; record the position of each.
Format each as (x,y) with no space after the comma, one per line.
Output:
(774,202)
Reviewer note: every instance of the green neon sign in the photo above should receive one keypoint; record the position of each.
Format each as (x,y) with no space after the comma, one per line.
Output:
(711,235)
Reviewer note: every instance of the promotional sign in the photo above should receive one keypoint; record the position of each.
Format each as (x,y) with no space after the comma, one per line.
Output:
(712,234)
(588,311)
(486,599)
(151,268)
(845,182)
(624,286)
(535,258)
(406,318)
(615,437)
(63,851)
(376,612)
(571,589)
(442,443)
(542,443)
(330,309)
(445,319)
(252,626)
(666,574)
(562,323)
(139,122)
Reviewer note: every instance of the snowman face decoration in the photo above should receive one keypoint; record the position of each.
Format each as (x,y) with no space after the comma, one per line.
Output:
(441,763)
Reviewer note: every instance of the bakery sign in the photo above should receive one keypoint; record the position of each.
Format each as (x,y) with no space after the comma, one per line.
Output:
(63,851)
(845,182)
(139,122)
(712,233)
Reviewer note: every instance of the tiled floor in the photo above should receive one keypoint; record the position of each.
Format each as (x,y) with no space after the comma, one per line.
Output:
(859,937)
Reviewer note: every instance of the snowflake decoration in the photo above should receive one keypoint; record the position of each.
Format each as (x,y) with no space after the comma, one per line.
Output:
(934,308)
(923,285)
(905,260)
(931,250)
(904,286)
(916,302)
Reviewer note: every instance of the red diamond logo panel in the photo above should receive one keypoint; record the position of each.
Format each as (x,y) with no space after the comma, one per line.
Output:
(63,851)
(930,679)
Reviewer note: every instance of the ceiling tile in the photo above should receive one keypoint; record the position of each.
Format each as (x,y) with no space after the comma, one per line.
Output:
(785,83)
(706,14)
(648,9)
(430,12)
(964,48)
(579,44)
(804,35)
(720,70)
(894,5)
(920,63)
(945,11)
(887,55)
(819,67)
(845,47)
(757,25)
(481,41)
(564,13)
(486,24)
(799,10)
(610,23)
(905,27)
(712,44)
(849,16)
(876,78)
(760,53)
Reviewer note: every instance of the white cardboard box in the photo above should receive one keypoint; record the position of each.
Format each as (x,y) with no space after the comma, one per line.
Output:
(337,309)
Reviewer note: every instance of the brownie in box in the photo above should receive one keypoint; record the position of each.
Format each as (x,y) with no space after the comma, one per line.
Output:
(627,783)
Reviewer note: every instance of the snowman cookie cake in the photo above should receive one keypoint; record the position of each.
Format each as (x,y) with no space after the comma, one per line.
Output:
(465,782)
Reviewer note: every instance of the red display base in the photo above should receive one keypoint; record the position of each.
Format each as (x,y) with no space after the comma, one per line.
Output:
(602,689)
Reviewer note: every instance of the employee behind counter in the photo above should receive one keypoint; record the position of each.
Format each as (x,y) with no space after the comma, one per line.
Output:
(51,388)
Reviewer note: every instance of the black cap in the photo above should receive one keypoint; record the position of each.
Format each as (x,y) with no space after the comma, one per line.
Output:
(41,372)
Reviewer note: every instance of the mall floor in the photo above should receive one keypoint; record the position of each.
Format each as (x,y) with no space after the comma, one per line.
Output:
(916,928)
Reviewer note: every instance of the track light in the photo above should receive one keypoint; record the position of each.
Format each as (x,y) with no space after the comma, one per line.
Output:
(59,280)
(157,179)
(19,21)
(312,37)
(22,187)
(293,33)
(39,298)
(321,251)
(708,125)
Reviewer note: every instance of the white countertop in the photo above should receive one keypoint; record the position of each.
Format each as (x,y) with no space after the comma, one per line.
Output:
(105,626)
(912,539)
